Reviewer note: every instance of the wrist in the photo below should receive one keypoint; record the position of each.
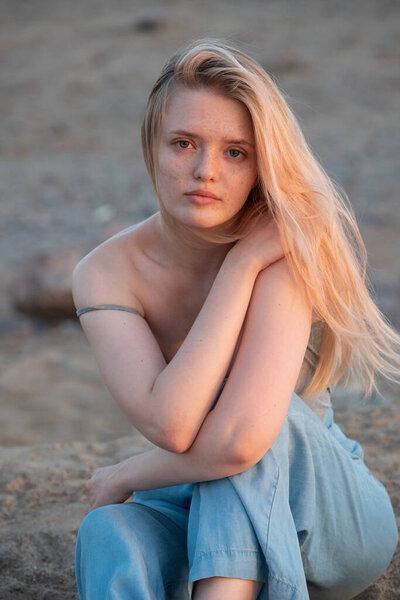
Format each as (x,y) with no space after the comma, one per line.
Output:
(238,259)
(124,476)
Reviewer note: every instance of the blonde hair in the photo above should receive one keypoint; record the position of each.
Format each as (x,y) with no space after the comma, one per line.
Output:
(318,229)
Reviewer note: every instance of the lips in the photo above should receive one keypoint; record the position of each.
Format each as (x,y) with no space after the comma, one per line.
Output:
(202,194)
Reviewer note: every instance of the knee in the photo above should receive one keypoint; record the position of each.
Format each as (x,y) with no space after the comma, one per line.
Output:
(373,559)
(97,550)
(384,539)
(90,549)
(93,520)
(385,547)
(95,525)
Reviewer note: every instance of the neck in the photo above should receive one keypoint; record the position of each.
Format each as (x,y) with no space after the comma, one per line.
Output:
(187,250)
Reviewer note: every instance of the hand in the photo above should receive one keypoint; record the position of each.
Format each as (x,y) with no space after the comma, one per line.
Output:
(261,246)
(105,486)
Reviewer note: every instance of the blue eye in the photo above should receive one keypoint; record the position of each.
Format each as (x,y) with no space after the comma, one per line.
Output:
(234,153)
(183,143)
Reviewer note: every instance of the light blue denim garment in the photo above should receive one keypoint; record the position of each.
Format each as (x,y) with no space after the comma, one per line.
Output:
(309,520)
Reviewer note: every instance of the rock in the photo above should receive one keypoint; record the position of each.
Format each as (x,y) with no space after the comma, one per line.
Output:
(43,287)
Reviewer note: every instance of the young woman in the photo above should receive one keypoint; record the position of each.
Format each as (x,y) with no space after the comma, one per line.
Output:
(219,325)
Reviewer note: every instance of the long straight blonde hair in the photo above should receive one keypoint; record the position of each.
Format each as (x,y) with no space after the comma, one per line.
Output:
(318,229)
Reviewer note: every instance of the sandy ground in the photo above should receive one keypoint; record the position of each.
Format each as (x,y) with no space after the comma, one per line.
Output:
(74,81)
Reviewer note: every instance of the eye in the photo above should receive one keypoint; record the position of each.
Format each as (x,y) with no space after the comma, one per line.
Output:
(234,153)
(182,144)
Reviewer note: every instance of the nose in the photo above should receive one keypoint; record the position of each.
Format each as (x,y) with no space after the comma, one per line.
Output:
(206,167)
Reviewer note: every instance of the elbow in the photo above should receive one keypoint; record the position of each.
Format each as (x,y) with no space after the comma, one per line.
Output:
(173,432)
(237,456)
(242,456)
(176,441)
(166,440)
(162,436)
(162,430)
(245,452)
(176,445)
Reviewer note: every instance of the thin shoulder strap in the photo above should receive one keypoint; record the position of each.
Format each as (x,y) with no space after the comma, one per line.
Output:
(85,309)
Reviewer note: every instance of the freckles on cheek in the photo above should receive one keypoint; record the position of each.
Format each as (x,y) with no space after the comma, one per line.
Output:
(168,169)
(171,174)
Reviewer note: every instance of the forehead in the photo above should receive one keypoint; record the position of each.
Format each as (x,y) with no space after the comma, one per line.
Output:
(206,111)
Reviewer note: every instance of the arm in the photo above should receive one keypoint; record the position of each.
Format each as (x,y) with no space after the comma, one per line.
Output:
(168,403)
(251,409)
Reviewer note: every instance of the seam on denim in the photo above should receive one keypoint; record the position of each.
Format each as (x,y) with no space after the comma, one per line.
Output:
(270,574)
(275,486)
(202,555)
(286,583)
(272,503)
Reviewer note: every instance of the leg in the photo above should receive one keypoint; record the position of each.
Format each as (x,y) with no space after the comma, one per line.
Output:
(127,551)
(215,588)
(360,523)
(325,524)
(225,558)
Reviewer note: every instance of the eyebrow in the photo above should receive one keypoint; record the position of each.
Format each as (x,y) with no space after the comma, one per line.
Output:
(238,142)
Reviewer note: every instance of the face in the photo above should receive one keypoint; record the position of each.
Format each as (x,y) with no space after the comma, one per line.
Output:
(206,159)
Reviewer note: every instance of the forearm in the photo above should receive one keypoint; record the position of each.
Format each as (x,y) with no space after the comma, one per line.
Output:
(186,389)
(205,460)
(208,458)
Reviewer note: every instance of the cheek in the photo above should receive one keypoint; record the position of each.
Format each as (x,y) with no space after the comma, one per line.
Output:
(246,179)
(162,164)
(169,169)
(252,177)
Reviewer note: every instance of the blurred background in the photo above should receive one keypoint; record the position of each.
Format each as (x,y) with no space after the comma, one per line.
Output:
(74,80)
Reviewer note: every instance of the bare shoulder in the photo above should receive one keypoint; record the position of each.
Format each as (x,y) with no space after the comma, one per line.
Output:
(277,289)
(109,274)
(279,275)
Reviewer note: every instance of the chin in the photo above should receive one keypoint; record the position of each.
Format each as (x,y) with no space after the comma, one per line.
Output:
(204,221)
(196,217)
